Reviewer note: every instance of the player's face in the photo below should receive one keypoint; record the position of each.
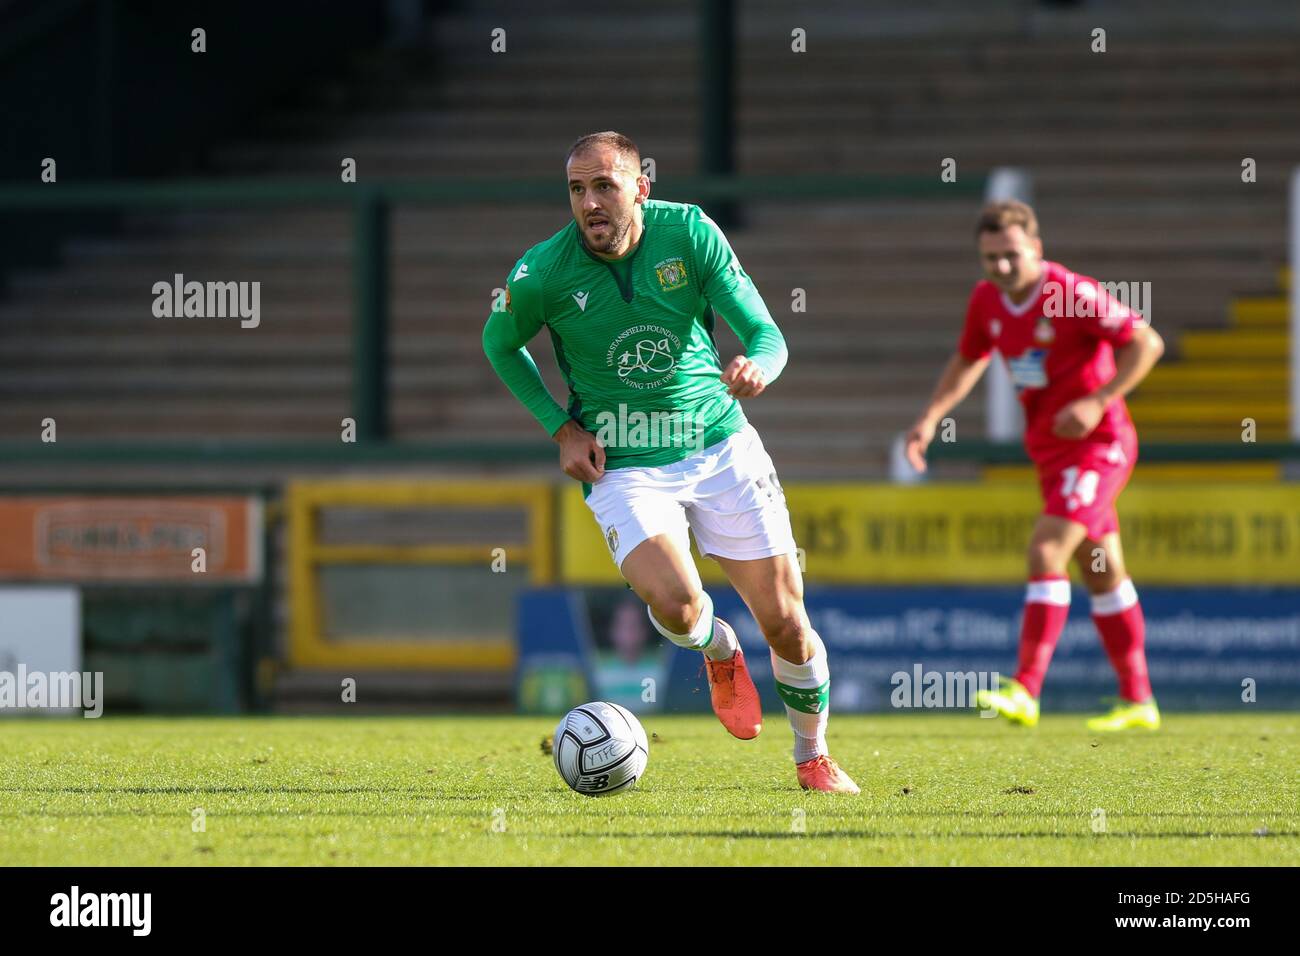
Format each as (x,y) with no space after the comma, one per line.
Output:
(605,188)
(1012,261)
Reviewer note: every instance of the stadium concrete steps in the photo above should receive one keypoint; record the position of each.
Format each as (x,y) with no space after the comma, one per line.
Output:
(1220,380)
(1135,156)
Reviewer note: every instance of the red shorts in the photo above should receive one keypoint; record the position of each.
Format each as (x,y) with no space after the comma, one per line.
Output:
(1083,484)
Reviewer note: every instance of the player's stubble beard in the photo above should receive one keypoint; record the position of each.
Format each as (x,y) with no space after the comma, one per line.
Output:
(618,230)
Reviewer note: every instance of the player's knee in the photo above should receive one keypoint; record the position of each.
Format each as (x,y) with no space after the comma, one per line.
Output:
(1103,581)
(1045,557)
(676,607)
(787,635)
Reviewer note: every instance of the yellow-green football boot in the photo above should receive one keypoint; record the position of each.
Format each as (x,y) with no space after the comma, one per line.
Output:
(1128,715)
(1012,701)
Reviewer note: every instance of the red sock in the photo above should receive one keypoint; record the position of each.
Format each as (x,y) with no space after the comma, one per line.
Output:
(1123,629)
(1047,605)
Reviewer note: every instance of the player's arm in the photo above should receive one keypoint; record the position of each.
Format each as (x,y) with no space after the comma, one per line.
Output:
(959,376)
(1133,360)
(505,337)
(955,383)
(731,292)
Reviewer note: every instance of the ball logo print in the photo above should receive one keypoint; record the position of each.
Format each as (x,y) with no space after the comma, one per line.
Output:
(600,748)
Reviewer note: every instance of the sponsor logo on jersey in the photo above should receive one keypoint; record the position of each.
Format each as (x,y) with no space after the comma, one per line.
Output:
(1028,370)
(644,355)
(522,273)
(581,299)
(1043,331)
(671,273)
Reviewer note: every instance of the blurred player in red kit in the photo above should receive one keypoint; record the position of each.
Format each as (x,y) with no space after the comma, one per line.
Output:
(1073,352)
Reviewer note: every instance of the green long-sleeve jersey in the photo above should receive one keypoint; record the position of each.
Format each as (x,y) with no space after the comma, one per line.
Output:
(633,337)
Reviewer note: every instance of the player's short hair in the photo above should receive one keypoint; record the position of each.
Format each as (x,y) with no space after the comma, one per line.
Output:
(998,216)
(610,139)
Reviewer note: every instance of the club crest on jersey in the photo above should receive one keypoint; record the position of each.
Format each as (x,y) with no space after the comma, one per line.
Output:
(995,327)
(671,273)
(1043,331)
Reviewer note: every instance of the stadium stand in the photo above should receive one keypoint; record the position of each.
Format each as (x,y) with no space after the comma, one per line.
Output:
(886,280)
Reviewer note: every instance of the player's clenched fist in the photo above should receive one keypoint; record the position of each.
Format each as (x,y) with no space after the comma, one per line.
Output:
(918,440)
(581,456)
(743,378)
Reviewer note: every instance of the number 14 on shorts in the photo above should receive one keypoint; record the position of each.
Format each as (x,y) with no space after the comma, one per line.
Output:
(1079,488)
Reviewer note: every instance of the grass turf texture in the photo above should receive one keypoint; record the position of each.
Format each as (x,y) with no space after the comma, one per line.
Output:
(937,790)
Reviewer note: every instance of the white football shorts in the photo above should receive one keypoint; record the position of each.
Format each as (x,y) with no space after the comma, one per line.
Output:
(728,494)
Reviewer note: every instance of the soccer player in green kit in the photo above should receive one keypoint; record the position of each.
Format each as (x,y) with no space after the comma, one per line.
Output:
(655,432)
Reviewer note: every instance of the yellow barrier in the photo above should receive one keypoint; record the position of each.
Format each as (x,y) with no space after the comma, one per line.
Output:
(1221,532)
(307,644)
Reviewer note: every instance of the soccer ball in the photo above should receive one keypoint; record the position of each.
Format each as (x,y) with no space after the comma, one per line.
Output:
(600,749)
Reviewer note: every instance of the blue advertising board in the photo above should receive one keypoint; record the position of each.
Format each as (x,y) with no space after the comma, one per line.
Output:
(1207,649)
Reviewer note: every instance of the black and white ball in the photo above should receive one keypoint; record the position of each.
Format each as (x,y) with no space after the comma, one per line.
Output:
(600,748)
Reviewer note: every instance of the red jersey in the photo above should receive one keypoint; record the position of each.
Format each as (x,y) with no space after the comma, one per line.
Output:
(1058,346)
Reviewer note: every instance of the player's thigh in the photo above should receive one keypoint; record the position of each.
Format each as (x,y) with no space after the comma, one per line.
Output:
(1101,562)
(1083,485)
(662,573)
(739,518)
(772,589)
(645,529)
(1053,542)
(738,510)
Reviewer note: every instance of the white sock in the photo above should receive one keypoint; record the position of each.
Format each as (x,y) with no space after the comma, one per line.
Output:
(716,640)
(805,689)
(724,645)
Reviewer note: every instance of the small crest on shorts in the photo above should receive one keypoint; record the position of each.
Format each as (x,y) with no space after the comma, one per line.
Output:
(611,539)
(671,273)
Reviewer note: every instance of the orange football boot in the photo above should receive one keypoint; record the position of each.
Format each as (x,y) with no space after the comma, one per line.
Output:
(733,694)
(823,773)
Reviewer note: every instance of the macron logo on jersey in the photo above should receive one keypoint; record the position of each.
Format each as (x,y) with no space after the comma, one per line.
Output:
(522,273)
(581,299)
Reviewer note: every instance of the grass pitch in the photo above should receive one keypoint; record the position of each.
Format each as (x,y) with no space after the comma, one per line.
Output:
(937,790)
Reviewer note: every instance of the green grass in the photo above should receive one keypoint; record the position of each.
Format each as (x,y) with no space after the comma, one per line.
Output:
(950,789)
